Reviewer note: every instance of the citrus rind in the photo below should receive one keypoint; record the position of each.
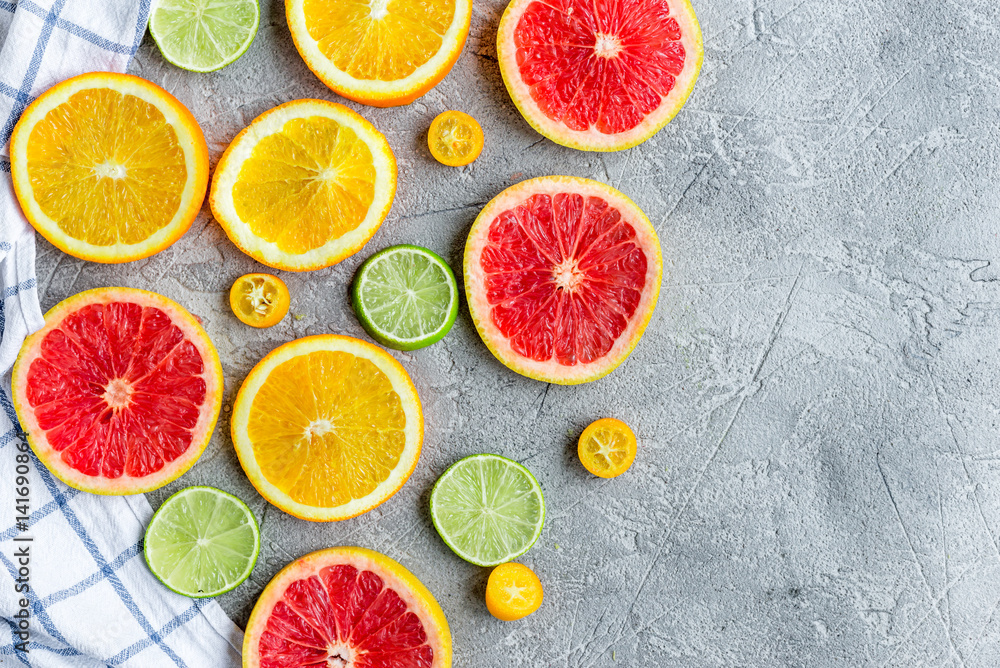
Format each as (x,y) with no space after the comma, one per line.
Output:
(592,139)
(252,562)
(394,575)
(383,337)
(173,59)
(517,552)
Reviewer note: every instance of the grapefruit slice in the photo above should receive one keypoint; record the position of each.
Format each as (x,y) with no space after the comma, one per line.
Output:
(119,391)
(346,607)
(561,276)
(599,76)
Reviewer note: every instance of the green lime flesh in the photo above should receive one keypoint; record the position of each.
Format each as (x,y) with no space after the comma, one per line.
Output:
(204,35)
(406,297)
(488,509)
(202,542)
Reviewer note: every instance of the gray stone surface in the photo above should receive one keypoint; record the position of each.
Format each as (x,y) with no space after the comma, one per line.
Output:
(815,397)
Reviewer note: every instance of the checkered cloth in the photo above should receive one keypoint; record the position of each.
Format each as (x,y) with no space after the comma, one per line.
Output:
(74,588)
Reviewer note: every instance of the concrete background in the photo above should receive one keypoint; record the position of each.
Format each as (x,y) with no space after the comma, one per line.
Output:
(815,397)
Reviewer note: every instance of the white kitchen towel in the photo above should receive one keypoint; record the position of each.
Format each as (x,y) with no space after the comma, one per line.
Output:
(74,588)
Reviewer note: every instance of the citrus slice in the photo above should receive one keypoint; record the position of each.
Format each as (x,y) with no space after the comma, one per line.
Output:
(406,297)
(379,52)
(327,427)
(455,138)
(202,542)
(488,509)
(346,607)
(119,391)
(204,35)
(599,76)
(304,185)
(259,300)
(109,167)
(513,591)
(562,275)
(607,448)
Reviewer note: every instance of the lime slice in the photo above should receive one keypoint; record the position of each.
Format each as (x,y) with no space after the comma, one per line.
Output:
(204,35)
(202,542)
(405,297)
(487,509)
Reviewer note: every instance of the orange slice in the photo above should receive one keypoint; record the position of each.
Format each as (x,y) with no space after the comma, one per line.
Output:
(607,448)
(455,138)
(327,427)
(305,185)
(109,167)
(512,592)
(379,52)
(259,300)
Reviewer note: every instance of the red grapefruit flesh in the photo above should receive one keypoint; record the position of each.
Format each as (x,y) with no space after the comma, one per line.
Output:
(119,391)
(562,275)
(599,76)
(346,607)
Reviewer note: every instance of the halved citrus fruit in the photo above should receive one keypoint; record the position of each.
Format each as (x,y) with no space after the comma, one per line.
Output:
(119,391)
(513,591)
(455,139)
(406,297)
(379,52)
(488,509)
(202,542)
(607,447)
(259,300)
(327,427)
(305,185)
(562,275)
(599,76)
(347,607)
(109,167)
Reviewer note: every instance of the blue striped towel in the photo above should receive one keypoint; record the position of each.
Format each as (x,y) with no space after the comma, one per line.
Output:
(74,588)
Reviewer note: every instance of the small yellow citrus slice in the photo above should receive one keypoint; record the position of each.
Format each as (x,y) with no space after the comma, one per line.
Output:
(379,52)
(305,185)
(512,592)
(259,300)
(455,138)
(327,427)
(607,448)
(109,167)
